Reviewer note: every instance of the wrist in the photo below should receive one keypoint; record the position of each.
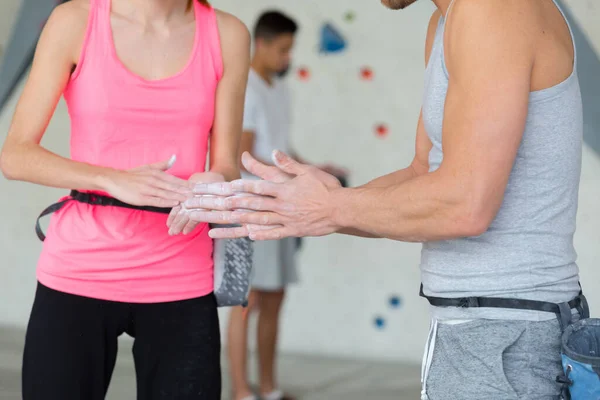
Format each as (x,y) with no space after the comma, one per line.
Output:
(338,204)
(103,179)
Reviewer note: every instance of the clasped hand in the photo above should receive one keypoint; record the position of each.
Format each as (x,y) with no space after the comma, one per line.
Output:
(291,200)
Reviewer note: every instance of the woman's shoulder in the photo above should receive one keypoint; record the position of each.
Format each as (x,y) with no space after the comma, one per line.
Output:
(231,26)
(235,40)
(74,11)
(66,27)
(70,19)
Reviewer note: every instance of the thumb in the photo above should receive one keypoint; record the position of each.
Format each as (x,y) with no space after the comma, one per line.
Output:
(164,165)
(287,164)
(266,172)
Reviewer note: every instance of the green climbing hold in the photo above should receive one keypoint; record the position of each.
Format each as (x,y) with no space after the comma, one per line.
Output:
(350,16)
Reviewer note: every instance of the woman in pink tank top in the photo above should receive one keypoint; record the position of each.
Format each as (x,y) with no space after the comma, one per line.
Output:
(148,83)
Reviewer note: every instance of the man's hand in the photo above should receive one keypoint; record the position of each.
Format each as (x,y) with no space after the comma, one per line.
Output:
(292,201)
(179,220)
(334,170)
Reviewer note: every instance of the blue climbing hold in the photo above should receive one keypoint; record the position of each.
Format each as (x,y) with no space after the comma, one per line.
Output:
(331,40)
(395,302)
(379,322)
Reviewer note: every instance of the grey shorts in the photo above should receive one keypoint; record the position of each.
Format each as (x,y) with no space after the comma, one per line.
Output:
(495,360)
(274,264)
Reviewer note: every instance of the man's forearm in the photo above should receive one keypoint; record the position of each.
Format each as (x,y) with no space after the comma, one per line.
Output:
(394,178)
(425,208)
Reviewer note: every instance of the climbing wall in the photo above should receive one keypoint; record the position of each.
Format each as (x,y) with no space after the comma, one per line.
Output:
(357,85)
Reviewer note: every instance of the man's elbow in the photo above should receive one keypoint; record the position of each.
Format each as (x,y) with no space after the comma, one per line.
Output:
(474,219)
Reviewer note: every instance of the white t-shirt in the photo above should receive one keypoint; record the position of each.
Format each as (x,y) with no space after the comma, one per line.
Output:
(267,115)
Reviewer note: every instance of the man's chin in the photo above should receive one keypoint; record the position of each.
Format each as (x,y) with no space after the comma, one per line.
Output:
(282,73)
(397,4)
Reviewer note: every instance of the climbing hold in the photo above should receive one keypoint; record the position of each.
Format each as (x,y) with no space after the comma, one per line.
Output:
(379,323)
(350,16)
(303,73)
(395,302)
(366,73)
(331,40)
(381,130)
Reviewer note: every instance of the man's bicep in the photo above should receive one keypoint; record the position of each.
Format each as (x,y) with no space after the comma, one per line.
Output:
(489,63)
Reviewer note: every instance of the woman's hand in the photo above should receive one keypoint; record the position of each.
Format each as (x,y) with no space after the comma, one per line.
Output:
(148,185)
(179,219)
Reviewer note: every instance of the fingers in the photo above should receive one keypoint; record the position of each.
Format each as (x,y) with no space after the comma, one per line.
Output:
(229,233)
(189,227)
(208,202)
(171,195)
(169,182)
(257,187)
(179,223)
(288,164)
(164,165)
(239,186)
(159,202)
(242,231)
(233,203)
(215,189)
(270,234)
(236,217)
(172,215)
(263,171)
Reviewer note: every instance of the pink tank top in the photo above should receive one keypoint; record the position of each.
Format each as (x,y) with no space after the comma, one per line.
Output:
(121,120)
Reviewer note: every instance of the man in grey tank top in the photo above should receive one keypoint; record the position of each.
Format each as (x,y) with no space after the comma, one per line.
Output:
(492,194)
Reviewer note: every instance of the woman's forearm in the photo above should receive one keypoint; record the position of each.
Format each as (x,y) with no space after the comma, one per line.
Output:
(230,172)
(32,163)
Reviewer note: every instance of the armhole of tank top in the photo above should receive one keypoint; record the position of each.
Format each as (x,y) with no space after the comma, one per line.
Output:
(570,28)
(86,39)
(435,39)
(443,39)
(216,52)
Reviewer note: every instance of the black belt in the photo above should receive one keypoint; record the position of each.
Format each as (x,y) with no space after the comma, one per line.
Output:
(93,199)
(562,310)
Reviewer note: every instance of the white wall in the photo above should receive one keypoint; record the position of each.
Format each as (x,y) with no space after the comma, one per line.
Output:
(346,282)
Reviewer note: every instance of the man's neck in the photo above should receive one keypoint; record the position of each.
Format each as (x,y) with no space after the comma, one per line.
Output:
(262,71)
(442,5)
(153,11)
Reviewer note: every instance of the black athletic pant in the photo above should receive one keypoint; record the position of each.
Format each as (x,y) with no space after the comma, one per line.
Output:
(71,348)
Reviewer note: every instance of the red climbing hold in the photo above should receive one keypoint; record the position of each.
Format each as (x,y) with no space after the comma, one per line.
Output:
(381,130)
(303,73)
(366,73)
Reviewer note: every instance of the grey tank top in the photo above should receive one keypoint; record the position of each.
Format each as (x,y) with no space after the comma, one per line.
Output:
(527,252)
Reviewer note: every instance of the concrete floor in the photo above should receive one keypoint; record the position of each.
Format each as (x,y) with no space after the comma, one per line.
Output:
(307,377)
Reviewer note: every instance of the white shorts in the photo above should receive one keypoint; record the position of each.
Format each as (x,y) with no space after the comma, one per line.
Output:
(274,264)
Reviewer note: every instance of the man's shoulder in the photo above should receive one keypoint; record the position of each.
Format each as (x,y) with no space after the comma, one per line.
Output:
(497,13)
(487,27)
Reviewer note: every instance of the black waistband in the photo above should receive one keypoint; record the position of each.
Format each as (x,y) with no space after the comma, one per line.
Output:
(562,310)
(93,199)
